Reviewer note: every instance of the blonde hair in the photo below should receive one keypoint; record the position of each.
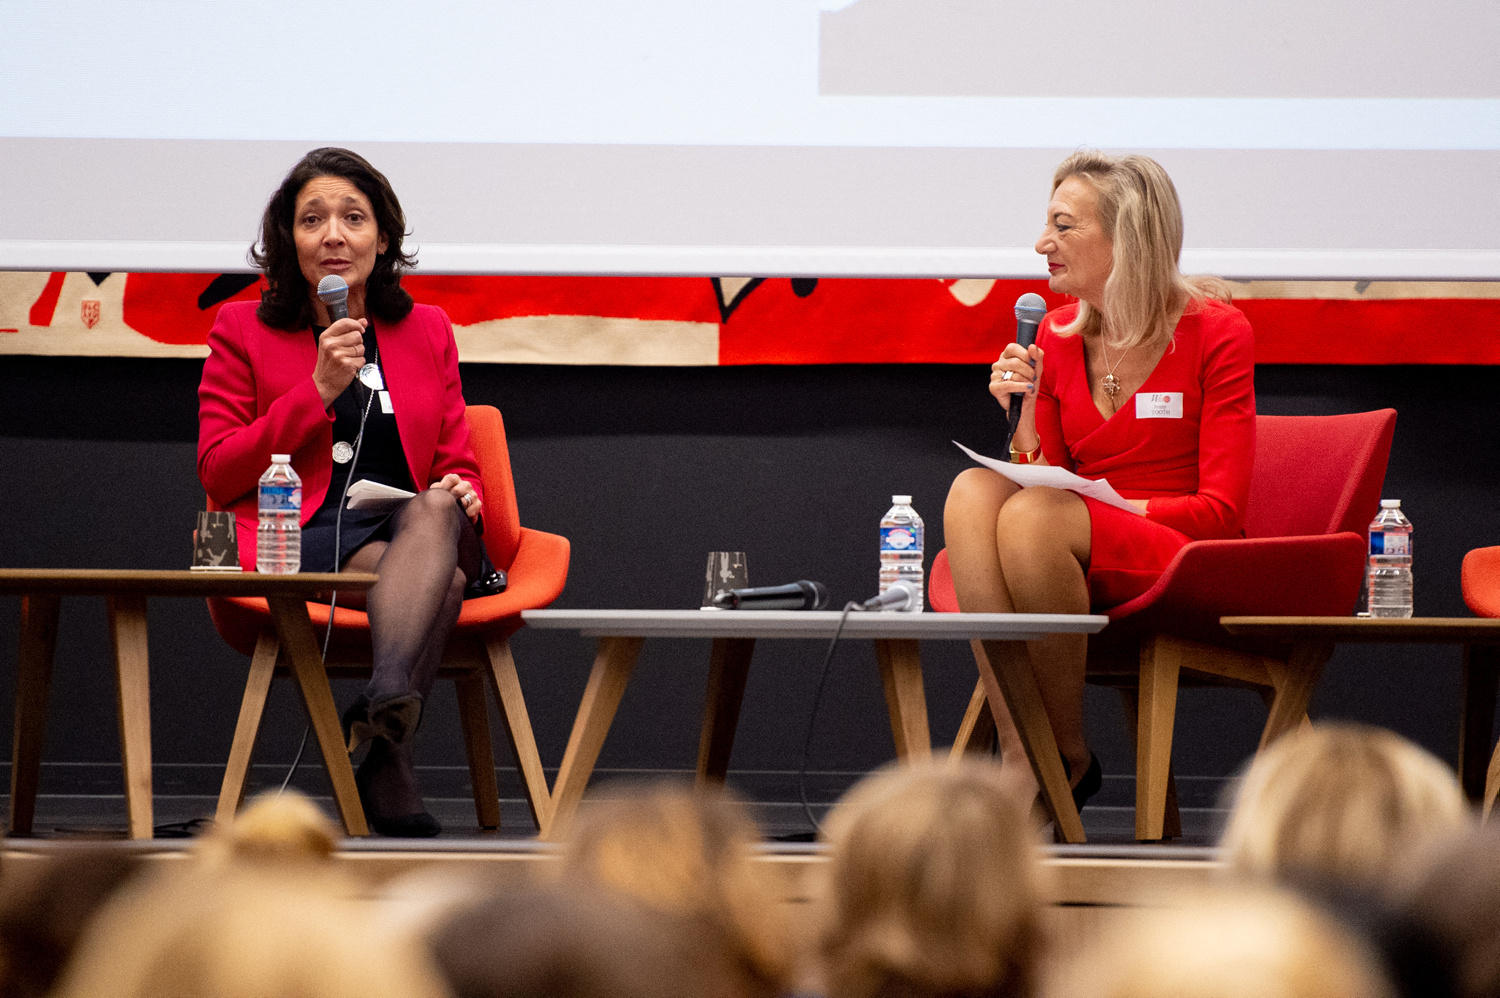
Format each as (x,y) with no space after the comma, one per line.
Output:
(933,886)
(257,911)
(1343,801)
(246,933)
(689,854)
(1230,944)
(277,828)
(1137,208)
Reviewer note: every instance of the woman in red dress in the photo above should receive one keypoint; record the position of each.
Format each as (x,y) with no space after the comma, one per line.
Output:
(1147,381)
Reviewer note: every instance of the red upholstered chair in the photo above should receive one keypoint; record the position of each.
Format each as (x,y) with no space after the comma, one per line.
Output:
(1481,587)
(536,565)
(1313,491)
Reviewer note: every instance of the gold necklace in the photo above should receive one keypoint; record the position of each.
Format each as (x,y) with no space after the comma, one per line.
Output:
(1111,384)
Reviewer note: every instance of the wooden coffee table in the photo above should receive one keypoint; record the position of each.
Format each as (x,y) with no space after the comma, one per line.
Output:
(125,592)
(1478,771)
(621,634)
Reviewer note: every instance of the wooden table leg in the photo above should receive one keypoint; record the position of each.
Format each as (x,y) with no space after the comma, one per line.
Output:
(1476,723)
(1008,679)
(905,699)
(728,668)
(613,664)
(1294,682)
(127,630)
(506,683)
(300,644)
(33,677)
(252,707)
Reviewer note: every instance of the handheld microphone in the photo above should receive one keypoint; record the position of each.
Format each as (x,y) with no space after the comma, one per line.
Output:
(334,293)
(802,595)
(901,595)
(1030,310)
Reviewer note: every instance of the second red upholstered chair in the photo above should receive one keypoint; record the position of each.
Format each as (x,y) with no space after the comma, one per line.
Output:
(1314,488)
(478,653)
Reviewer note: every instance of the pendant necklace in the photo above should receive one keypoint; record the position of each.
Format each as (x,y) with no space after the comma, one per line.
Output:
(1111,384)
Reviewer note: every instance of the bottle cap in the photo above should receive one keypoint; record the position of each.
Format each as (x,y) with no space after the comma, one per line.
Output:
(1390,504)
(901,500)
(281,459)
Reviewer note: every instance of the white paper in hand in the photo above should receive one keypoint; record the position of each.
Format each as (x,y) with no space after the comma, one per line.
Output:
(1058,478)
(365,494)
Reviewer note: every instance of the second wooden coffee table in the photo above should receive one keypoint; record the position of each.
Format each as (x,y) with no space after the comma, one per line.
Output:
(621,634)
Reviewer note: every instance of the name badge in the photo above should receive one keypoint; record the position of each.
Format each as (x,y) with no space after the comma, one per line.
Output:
(1158,405)
(386,407)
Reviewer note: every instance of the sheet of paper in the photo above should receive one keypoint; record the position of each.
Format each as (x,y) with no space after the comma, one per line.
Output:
(365,494)
(1058,478)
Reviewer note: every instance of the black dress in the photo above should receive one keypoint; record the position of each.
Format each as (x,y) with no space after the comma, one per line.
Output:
(380,459)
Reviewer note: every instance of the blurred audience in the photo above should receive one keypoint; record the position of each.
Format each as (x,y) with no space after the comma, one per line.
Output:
(256,911)
(1234,943)
(45,907)
(933,887)
(1342,803)
(691,854)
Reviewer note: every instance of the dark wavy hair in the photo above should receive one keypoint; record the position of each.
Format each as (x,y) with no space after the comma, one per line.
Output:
(286,302)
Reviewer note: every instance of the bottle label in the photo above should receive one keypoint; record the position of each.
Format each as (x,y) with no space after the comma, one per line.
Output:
(280,498)
(900,539)
(1391,544)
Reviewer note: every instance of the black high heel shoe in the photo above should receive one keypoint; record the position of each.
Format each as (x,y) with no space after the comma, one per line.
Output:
(1093,780)
(421,825)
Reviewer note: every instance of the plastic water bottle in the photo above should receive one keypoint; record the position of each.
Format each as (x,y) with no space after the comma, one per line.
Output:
(278,540)
(901,536)
(1389,578)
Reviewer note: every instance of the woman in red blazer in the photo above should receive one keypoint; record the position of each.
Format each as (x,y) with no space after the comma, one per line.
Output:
(378,389)
(1147,381)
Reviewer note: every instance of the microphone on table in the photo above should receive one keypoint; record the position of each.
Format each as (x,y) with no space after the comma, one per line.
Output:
(802,595)
(1030,310)
(901,595)
(334,293)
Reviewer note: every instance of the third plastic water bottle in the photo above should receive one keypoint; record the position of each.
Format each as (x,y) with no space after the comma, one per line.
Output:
(1389,578)
(901,537)
(278,539)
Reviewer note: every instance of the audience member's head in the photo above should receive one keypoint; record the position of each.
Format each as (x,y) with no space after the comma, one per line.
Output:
(571,940)
(933,887)
(1452,916)
(689,854)
(257,911)
(247,933)
(1341,802)
(275,829)
(44,912)
(1237,943)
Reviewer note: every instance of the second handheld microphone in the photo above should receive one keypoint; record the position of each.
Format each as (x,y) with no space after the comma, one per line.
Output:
(802,595)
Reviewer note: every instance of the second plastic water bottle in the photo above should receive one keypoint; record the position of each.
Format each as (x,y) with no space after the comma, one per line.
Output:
(278,538)
(1389,579)
(901,537)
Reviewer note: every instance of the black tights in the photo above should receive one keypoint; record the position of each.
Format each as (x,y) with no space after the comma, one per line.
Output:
(432,555)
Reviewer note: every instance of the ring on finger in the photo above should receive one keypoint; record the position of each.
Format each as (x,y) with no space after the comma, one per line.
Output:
(1006,375)
(468,498)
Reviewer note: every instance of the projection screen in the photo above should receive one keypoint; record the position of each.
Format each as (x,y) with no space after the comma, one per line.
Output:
(1309,139)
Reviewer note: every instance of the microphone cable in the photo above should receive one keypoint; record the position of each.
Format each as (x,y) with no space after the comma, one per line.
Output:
(813,718)
(333,599)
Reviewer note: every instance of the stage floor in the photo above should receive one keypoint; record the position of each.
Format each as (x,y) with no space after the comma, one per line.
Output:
(94,816)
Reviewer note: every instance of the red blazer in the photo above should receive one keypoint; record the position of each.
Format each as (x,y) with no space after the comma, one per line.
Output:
(257,398)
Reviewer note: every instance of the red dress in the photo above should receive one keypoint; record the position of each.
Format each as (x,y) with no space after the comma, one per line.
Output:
(1185,441)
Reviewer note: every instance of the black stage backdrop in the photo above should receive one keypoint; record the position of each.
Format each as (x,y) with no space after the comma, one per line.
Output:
(646,470)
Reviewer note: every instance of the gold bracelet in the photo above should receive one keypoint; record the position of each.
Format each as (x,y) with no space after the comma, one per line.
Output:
(1025,457)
